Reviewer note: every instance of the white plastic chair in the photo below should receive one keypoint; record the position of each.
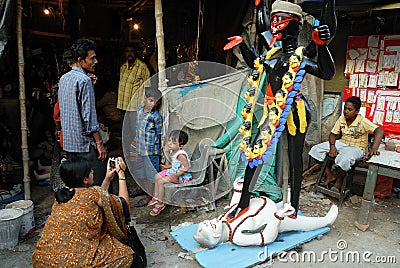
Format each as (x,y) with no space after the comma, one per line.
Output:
(194,193)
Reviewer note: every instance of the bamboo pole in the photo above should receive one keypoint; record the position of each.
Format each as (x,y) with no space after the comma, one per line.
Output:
(162,83)
(22,104)
(160,45)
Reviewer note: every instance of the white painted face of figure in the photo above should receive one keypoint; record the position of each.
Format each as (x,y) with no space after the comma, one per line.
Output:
(209,233)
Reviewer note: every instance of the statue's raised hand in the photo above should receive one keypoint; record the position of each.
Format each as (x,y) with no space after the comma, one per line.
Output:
(321,34)
(234,41)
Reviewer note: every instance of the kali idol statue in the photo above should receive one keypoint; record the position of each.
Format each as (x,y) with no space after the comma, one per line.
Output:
(258,220)
(279,73)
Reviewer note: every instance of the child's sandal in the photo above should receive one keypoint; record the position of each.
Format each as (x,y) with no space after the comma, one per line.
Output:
(152,202)
(157,209)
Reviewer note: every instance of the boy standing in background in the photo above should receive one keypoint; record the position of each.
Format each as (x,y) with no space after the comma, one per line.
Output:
(148,143)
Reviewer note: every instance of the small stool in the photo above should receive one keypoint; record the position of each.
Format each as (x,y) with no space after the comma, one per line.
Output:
(344,190)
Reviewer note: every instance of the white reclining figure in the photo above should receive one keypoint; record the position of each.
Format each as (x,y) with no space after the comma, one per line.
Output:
(259,225)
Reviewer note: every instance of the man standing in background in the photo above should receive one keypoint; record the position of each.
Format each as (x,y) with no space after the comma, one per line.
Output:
(81,137)
(133,74)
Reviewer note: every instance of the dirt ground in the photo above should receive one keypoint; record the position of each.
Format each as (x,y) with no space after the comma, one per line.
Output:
(381,242)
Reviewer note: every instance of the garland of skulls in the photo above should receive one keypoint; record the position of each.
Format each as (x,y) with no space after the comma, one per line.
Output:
(277,109)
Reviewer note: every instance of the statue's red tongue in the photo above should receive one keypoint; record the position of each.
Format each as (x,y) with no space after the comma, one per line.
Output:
(271,43)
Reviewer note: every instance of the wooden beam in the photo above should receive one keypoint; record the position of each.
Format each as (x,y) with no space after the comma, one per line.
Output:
(137,6)
(95,38)
(48,2)
(50,34)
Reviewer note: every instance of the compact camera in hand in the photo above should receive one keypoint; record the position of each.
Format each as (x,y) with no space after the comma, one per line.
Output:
(113,162)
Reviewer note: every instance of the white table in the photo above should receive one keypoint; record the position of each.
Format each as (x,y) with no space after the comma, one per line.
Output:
(387,164)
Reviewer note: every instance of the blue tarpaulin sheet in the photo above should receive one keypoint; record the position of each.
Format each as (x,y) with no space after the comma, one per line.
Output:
(229,255)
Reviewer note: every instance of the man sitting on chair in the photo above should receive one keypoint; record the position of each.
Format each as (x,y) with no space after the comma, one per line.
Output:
(354,130)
